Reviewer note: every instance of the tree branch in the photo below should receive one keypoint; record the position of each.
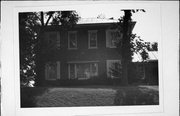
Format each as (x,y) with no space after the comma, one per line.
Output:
(48,19)
(42,18)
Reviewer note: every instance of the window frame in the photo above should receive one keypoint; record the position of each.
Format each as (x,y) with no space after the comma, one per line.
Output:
(70,32)
(58,72)
(89,32)
(108,45)
(75,68)
(57,44)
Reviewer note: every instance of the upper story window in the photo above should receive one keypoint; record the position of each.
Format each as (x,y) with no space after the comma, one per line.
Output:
(92,39)
(72,40)
(112,38)
(52,40)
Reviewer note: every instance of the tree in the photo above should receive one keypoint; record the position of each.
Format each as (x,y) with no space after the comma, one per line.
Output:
(31,25)
(155,46)
(139,46)
(125,49)
(128,46)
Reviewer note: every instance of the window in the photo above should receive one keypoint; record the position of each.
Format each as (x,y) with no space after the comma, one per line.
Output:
(52,70)
(114,68)
(92,39)
(112,38)
(83,71)
(52,40)
(72,40)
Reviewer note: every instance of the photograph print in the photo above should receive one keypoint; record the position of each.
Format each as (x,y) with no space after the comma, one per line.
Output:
(89,57)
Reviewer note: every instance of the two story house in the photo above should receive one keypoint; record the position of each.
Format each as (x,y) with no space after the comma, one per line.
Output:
(85,53)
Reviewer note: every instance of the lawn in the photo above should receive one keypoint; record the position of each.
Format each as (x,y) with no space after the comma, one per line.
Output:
(89,96)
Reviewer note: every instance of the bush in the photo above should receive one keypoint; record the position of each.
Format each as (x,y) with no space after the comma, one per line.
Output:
(29,94)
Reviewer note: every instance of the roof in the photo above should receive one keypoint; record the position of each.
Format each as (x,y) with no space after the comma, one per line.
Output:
(96,20)
(153,56)
(84,22)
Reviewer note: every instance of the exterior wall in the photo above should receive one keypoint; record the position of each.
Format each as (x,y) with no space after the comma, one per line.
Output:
(151,73)
(144,73)
(82,53)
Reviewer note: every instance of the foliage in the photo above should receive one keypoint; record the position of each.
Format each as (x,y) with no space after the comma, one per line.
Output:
(30,29)
(28,40)
(139,46)
(152,46)
(155,46)
(65,18)
(137,10)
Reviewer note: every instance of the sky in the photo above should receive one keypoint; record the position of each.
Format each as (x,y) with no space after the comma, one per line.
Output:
(148,25)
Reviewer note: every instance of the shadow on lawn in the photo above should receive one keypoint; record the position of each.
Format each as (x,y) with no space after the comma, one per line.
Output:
(29,94)
(136,96)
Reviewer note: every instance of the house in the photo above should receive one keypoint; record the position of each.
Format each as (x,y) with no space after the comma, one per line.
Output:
(85,53)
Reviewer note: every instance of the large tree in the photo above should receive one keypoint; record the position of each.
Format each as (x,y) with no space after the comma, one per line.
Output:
(125,49)
(31,27)
(130,44)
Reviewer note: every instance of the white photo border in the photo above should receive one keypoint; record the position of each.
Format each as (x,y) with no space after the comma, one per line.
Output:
(10,62)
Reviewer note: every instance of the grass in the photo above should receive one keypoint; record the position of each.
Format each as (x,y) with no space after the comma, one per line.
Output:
(89,96)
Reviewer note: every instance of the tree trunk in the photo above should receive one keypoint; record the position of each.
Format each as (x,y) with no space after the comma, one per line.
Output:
(39,59)
(42,18)
(124,80)
(126,52)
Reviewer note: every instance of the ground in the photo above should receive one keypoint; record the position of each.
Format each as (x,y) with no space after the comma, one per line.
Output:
(89,96)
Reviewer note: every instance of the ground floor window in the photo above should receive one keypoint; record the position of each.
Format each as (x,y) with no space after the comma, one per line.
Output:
(82,71)
(114,68)
(52,70)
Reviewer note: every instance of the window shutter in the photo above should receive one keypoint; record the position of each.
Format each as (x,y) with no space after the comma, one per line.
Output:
(58,40)
(108,70)
(58,70)
(108,39)
(46,71)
